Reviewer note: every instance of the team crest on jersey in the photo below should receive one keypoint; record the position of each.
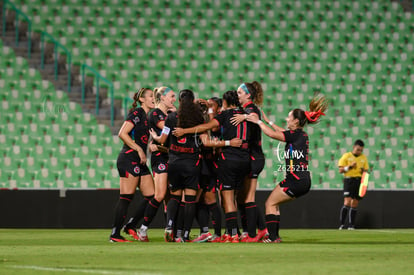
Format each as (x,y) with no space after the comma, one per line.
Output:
(136,120)
(144,139)
(137,170)
(161,167)
(182,140)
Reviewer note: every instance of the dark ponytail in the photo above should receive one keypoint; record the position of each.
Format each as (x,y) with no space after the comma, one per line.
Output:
(189,113)
(231,98)
(139,94)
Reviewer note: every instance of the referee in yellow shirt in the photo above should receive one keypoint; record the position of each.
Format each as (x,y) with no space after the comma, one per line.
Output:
(352,165)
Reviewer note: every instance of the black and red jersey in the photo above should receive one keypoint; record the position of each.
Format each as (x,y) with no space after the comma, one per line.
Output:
(140,132)
(229,131)
(256,133)
(155,116)
(296,153)
(187,146)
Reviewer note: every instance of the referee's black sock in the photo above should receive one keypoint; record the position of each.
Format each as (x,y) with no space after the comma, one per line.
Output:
(121,212)
(231,223)
(243,216)
(172,208)
(189,213)
(352,216)
(216,217)
(272,223)
(343,214)
(202,217)
(139,214)
(260,219)
(179,224)
(251,217)
(151,211)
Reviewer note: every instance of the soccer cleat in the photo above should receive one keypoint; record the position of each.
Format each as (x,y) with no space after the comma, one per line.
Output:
(268,240)
(215,239)
(205,237)
(226,238)
(244,235)
(118,239)
(351,228)
(341,227)
(249,239)
(131,232)
(235,239)
(261,234)
(168,235)
(179,240)
(142,237)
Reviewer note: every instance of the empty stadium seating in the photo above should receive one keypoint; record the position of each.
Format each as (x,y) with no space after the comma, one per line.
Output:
(358,53)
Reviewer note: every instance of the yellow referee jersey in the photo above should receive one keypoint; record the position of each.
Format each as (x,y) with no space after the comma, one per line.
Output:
(361,164)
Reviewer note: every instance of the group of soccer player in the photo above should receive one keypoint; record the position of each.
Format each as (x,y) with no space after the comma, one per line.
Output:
(206,156)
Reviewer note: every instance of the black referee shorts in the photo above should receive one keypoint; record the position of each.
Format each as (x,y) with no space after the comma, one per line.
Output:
(351,188)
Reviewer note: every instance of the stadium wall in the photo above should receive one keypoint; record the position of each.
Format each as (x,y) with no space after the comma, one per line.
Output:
(94,209)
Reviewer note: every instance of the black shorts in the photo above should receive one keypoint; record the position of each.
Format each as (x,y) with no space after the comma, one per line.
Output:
(159,162)
(231,173)
(184,174)
(128,163)
(208,175)
(256,167)
(295,188)
(351,188)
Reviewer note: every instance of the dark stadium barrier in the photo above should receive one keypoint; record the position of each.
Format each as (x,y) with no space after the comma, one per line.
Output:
(95,209)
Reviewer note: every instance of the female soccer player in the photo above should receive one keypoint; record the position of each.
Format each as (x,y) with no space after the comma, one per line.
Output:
(234,163)
(131,162)
(206,200)
(184,159)
(250,96)
(164,99)
(297,182)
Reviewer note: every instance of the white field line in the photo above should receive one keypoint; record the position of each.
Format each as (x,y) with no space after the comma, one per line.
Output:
(76,270)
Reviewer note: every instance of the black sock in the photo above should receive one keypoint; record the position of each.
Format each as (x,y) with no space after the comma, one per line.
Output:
(139,214)
(121,212)
(352,216)
(172,208)
(343,214)
(179,224)
(260,219)
(243,217)
(231,223)
(272,223)
(189,213)
(251,218)
(202,217)
(151,211)
(216,217)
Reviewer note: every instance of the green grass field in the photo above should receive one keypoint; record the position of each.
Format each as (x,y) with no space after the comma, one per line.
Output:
(61,251)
